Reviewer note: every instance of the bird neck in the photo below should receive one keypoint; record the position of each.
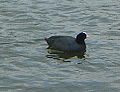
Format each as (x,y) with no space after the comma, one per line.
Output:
(80,42)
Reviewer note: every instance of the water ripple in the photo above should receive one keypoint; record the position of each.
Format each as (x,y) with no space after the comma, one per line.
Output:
(26,64)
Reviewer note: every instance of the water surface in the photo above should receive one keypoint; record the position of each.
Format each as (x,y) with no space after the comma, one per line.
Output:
(27,66)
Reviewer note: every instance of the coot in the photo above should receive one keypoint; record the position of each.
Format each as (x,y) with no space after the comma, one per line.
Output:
(67,43)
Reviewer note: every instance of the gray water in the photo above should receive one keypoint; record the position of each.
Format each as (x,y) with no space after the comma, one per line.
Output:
(27,66)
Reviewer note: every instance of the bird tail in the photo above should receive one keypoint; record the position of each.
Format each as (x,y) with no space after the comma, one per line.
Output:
(46,39)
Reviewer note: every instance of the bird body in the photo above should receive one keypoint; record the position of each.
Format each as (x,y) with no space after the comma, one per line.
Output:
(66,43)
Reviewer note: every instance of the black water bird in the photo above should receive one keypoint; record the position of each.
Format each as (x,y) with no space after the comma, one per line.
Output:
(67,43)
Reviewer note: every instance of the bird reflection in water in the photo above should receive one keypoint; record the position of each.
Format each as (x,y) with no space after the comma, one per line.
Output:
(59,55)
